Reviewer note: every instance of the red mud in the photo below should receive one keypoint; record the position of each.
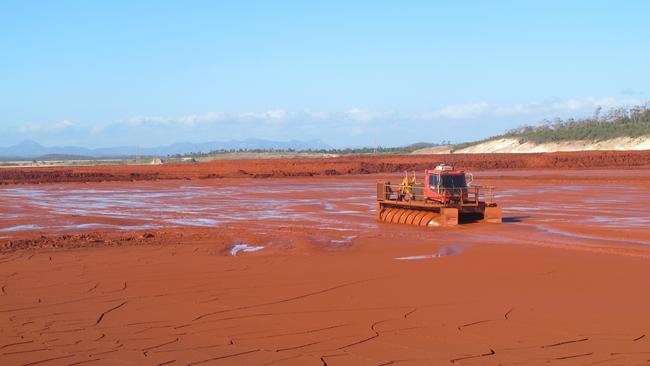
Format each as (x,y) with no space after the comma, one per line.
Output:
(142,273)
(323,167)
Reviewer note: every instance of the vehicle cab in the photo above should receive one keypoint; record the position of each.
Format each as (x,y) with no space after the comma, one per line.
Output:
(444,184)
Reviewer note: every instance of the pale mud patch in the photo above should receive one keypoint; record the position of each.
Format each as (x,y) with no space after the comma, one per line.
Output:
(241,247)
(21,228)
(345,240)
(244,248)
(202,222)
(444,251)
(586,237)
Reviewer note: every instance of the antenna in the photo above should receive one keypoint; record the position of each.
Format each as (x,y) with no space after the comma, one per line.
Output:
(137,154)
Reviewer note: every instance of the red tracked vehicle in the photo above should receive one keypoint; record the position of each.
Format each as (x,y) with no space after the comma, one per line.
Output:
(443,198)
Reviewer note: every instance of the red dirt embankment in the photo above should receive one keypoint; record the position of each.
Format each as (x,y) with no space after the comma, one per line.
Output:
(266,168)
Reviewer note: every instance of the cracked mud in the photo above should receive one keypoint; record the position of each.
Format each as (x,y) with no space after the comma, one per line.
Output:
(141,273)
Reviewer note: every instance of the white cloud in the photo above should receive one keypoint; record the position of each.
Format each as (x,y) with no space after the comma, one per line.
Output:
(361,115)
(139,120)
(478,118)
(45,127)
(316,115)
(457,111)
(270,115)
(555,107)
(276,114)
(189,119)
(63,124)
(357,121)
(192,119)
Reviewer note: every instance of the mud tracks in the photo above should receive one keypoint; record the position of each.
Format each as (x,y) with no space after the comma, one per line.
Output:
(294,298)
(460,327)
(297,347)
(372,328)
(491,353)
(639,338)
(565,342)
(409,313)
(222,357)
(507,314)
(145,351)
(101,316)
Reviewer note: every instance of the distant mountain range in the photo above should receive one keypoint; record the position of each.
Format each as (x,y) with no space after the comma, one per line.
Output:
(33,150)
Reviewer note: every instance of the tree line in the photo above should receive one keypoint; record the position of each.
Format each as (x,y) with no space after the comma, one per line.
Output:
(616,122)
(335,151)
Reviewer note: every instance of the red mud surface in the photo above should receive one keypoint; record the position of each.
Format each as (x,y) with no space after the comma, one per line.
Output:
(323,167)
(143,273)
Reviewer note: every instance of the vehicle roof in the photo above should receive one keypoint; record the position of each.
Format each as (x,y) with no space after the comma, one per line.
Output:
(445,172)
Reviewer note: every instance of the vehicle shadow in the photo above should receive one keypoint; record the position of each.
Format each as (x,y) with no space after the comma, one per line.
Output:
(510,219)
(467,219)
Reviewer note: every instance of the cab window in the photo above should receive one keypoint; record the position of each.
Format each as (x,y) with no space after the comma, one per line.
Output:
(433,181)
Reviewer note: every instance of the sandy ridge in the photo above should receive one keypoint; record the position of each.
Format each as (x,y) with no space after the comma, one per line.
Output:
(513,145)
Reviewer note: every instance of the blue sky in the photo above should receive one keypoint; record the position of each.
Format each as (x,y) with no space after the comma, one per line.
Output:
(94,73)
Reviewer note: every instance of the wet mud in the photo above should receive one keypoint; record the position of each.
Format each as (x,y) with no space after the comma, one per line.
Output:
(297,271)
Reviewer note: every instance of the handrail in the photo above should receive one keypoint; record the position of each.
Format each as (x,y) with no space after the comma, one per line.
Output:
(470,195)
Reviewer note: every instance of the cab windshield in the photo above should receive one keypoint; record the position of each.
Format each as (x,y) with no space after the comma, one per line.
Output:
(453,181)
